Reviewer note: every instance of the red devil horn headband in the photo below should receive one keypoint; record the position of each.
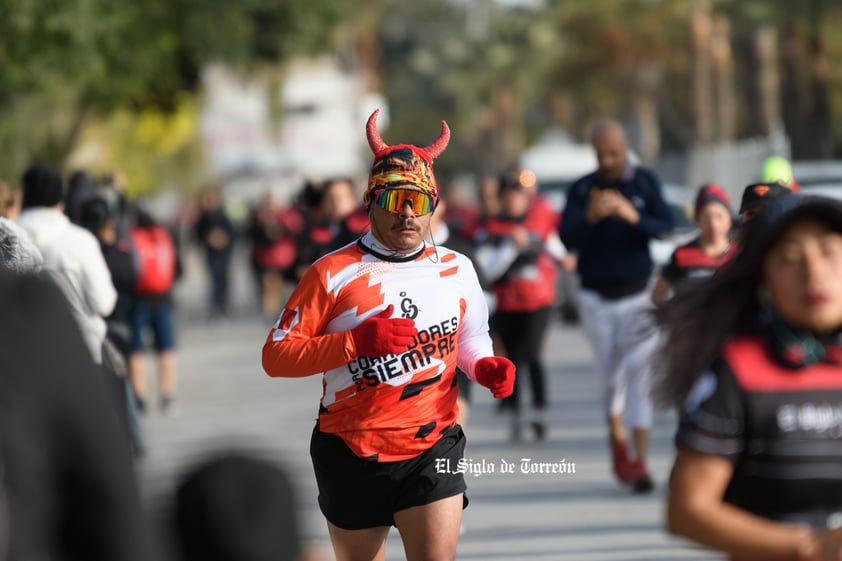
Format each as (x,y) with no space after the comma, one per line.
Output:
(377,144)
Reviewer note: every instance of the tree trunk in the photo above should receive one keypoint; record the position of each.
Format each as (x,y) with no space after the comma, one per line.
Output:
(561,109)
(768,79)
(507,125)
(819,118)
(645,111)
(723,65)
(703,94)
(792,90)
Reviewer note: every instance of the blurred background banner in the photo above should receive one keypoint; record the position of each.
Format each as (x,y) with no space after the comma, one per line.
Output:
(175,93)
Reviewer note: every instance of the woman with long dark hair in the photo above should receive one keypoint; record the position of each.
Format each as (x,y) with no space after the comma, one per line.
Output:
(753,361)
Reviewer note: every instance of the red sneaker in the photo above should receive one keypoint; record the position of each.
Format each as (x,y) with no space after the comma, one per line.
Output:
(621,462)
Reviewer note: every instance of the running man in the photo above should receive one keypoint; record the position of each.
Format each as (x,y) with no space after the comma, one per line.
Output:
(386,320)
(609,218)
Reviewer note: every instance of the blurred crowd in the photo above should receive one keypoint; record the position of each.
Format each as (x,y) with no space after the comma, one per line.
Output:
(86,289)
(114,266)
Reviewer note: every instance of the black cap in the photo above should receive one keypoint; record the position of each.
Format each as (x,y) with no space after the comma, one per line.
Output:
(763,194)
(766,228)
(42,186)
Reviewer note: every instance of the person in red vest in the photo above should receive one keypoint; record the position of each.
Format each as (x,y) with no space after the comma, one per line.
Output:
(273,231)
(519,251)
(152,309)
(753,361)
(700,257)
(337,221)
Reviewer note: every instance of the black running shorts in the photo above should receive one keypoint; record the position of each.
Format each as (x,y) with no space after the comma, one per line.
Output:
(355,494)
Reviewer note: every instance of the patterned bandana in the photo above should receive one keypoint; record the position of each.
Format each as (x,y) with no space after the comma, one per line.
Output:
(798,348)
(402,166)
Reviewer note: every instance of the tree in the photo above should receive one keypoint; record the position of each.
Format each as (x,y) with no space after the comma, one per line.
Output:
(61,60)
(806,40)
(475,66)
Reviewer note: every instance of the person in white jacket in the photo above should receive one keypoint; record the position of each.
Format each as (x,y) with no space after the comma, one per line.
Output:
(72,256)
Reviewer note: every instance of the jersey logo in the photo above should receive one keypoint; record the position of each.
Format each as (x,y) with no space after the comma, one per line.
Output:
(822,418)
(408,309)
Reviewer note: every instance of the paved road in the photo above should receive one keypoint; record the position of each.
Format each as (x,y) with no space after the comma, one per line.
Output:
(227,401)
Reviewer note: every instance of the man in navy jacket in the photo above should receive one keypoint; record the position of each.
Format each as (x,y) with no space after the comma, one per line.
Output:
(609,219)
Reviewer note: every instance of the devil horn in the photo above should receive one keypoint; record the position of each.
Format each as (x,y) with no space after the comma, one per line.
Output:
(373,136)
(437,147)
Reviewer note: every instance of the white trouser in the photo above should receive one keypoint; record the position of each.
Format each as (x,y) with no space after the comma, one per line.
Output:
(624,337)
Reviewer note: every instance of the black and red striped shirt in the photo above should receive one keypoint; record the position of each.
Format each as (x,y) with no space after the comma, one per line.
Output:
(689,261)
(780,427)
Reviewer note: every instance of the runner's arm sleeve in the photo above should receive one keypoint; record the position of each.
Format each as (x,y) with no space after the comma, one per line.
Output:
(554,247)
(474,342)
(297,345)
(496,260)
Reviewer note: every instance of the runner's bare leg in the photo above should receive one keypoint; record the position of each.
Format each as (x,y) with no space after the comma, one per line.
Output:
(359,545)
(431,532)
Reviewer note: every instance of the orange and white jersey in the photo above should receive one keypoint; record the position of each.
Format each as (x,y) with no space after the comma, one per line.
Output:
(392,407)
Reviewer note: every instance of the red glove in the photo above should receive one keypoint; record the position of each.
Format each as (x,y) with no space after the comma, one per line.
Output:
(497,374)
(381,335)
